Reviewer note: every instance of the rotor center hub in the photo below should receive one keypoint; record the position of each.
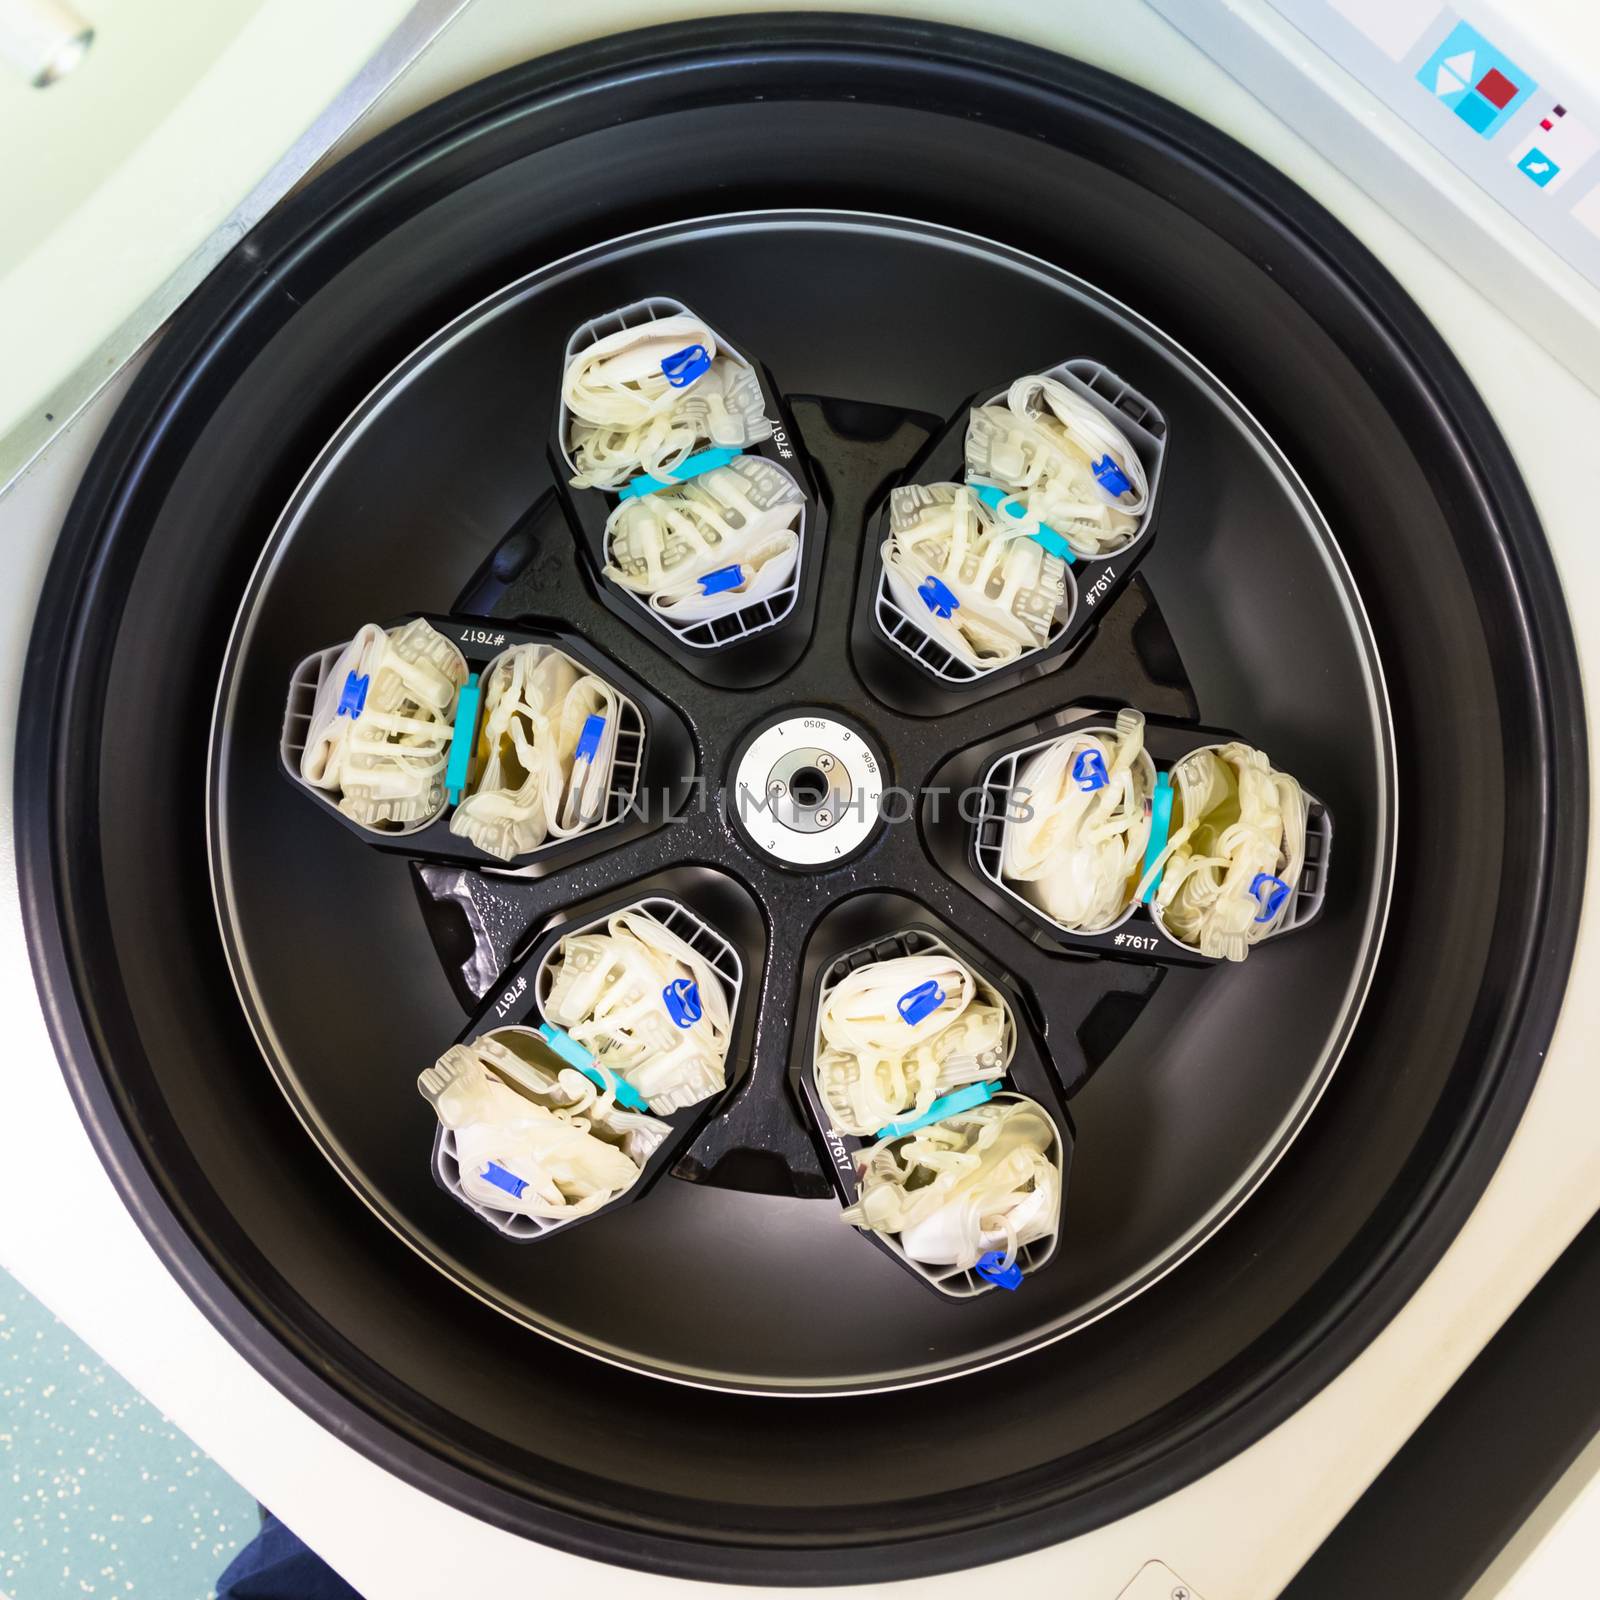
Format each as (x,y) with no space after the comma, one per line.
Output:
(807,789)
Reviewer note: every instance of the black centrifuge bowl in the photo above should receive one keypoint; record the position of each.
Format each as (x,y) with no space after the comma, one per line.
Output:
(1283,310)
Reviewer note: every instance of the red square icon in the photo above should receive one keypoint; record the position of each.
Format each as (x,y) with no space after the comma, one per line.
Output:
(1497,88)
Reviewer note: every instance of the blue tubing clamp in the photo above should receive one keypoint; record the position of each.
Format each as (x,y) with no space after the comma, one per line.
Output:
(353,697)
(1001,1277)
(504,1178)
(1273,899)
(722,579)
(682,1000)
(682,367)
(937,598)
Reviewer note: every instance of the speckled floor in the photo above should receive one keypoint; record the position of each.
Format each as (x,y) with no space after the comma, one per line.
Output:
(100,1494)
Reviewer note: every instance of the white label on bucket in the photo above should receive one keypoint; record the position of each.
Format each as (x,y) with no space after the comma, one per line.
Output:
(841,1156)
(504,1005)
(1099,587)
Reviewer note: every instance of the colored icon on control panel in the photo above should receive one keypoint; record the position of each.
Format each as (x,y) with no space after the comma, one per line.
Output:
(1554,150)
(1472,78)
(1538,166)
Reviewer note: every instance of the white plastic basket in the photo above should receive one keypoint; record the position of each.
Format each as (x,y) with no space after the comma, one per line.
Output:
(627,764)
(447,1168)
(1305,896)
(957,1283)
(989,841)
(677,918)
(306,680)
(994,821)
(1146,431)
(714,632)
(965,1283)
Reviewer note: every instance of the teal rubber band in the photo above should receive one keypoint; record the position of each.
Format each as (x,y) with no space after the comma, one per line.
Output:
(455,772)
(993,496)
(566,1046)
(575,1055)
(1160,828)
(626,1095)
(706,461)
(962,1099)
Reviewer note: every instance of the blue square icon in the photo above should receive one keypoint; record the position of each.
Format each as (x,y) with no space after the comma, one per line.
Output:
(1470,77)
(1476,112)
(1537,166)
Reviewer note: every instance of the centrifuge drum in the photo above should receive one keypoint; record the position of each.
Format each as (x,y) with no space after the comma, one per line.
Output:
(891,216)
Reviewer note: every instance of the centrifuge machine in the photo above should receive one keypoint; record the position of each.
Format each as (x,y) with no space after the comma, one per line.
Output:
(1331,269)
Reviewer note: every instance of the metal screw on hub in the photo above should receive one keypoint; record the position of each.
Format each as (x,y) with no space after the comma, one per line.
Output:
(1180,1593)
(776,786)
(824,763)
(824,818)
